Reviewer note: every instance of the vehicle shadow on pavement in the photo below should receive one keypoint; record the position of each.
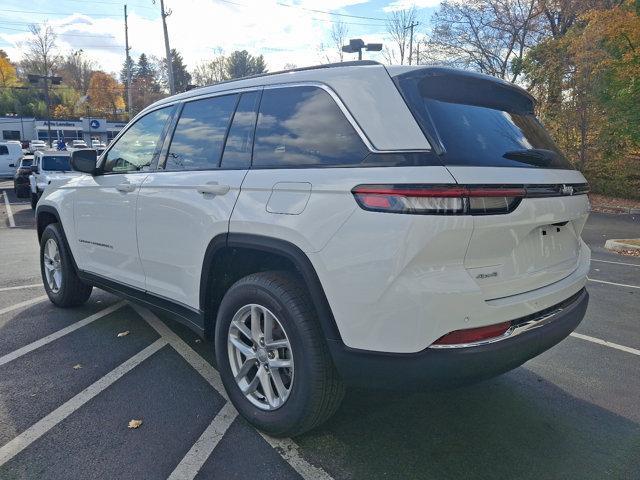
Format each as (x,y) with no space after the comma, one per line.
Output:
(24,218)
(515,426)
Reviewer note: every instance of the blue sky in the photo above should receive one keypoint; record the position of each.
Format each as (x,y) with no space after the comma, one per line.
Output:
(201,28)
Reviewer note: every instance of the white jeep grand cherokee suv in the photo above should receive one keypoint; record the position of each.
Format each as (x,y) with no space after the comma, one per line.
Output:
(346,224)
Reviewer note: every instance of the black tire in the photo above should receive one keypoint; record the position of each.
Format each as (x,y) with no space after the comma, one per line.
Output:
(34,200)
(317,389)
(72,291)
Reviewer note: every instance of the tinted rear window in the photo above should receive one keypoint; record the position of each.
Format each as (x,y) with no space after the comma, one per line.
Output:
(480,122)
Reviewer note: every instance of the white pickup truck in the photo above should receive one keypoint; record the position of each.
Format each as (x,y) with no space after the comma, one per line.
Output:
(48,166)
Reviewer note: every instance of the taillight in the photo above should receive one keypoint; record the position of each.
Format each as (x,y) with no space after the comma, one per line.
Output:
(438,199)
(469,336)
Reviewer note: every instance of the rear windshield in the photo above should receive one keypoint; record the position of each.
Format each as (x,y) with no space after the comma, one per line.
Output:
(479,122)
(58,163)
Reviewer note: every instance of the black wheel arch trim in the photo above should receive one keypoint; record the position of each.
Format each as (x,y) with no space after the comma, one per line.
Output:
(49,209)
(283,248)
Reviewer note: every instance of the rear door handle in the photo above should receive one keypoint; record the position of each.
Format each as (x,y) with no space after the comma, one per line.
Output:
(126,187)
(213,189)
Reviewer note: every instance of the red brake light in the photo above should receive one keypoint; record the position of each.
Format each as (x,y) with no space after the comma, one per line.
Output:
(473,335)
(438,199)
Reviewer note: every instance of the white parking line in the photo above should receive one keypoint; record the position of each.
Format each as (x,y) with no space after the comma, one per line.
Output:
(285,447)
(203,367)
(605,343)
(617,263)
(21,287)
(197,455)
(7,205)
(31,434)
(26,303)
(60,333)
(613,283)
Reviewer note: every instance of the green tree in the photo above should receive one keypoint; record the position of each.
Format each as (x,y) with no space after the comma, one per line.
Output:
(242,64)
(181,77)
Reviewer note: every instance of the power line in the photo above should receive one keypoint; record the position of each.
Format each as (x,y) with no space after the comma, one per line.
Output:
(63,14)
(318,11)
(331,13)
(61,34)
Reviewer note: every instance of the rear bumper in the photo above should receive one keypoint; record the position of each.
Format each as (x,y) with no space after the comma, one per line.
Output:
(455,366)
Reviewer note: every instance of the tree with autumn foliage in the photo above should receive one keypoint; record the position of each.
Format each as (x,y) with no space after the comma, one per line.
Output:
(587,81)
(8,76)
(106,94)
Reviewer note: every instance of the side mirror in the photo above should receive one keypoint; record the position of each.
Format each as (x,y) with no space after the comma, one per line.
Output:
(84,160)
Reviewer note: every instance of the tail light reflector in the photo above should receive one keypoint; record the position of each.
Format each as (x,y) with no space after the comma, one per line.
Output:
(438,199)
(472,335)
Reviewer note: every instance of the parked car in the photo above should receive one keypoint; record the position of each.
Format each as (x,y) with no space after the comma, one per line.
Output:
(350,224)
(35,145)
(10,156)
(49,167)
(21,185)
(78,144)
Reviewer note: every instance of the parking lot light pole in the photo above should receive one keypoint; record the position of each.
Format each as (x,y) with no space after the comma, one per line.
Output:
(357,44)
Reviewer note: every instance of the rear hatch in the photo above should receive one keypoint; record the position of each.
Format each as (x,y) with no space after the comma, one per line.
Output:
(486,134)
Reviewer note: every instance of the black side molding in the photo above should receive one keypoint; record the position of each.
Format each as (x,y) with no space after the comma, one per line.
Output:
(186,315)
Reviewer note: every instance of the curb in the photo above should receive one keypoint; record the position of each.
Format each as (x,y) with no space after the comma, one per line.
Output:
(620,246)
(615,210)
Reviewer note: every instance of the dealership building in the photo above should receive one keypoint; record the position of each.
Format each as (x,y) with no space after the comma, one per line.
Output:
(87,129)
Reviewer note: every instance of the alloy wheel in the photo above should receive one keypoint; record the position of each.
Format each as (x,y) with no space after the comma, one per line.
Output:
(260,357)
(52,265)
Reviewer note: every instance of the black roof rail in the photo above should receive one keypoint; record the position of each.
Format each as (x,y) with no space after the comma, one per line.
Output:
(354,63)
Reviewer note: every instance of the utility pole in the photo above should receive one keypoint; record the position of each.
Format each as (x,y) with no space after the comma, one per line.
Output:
(165,14)
(128,60)
(410,27)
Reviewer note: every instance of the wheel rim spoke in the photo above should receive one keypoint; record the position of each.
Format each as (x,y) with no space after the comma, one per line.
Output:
(243,348)
(256,331)
(277,380)
(267,388)
(251,387)
(246,366)
(280,363)
(243,329)
(275,344)
(268,327)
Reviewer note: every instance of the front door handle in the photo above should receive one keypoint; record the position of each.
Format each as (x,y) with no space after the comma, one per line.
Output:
(213,189)
(126,187)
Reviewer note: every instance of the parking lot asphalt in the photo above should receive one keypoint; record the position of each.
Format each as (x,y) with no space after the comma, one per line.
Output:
(69,385)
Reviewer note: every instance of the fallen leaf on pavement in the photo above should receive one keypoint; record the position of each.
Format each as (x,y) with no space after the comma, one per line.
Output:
(135,423)
(123,334)
(77,367)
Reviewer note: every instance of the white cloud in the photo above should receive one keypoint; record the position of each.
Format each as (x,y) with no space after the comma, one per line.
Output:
(199,28)
(406,4)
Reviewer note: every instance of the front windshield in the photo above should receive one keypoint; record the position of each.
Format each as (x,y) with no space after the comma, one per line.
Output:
(26,163)
(56,163)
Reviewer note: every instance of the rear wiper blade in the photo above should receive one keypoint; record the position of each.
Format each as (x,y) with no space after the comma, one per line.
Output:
(534,156)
